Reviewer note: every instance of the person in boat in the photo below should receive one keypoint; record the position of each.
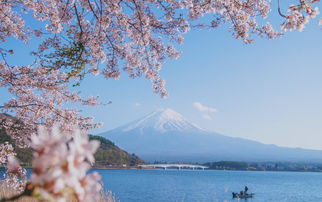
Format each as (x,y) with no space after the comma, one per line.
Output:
(245,190)
(243,194)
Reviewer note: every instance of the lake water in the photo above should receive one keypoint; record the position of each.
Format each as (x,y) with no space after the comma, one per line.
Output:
(209,185)
(199,186)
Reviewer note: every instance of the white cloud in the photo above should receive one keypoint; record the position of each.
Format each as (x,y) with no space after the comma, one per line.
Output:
(203,108)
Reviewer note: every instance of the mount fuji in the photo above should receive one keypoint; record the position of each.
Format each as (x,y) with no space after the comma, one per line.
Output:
(166,135)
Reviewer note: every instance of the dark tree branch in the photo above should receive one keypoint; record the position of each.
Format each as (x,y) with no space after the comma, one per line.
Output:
(279,10)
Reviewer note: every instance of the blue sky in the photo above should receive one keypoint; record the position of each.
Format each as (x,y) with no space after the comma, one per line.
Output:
(269,91)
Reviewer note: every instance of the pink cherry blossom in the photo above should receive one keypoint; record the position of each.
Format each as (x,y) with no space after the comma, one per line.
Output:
(6,151)
(60,165)
(15,175)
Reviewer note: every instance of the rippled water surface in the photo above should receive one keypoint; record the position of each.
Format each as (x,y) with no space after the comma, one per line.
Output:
(198,186)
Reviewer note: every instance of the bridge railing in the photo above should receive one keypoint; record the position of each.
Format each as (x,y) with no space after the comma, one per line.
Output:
(174,166)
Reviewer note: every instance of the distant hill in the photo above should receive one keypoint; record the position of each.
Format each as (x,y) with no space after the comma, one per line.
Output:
(265,166)
(166,135)
(107,155)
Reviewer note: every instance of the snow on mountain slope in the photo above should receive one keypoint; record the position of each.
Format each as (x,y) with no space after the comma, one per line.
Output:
(166,135)
(163,120)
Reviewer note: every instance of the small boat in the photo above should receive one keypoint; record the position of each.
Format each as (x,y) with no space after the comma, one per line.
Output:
(236,195)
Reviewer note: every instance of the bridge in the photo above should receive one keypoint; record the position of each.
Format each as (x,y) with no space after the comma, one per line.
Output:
(174,166)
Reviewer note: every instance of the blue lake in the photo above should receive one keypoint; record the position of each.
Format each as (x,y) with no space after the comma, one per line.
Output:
(209,185)
(199,186)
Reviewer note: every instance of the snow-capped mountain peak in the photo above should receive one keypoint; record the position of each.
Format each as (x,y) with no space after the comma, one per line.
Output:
(163,120)
(166,135)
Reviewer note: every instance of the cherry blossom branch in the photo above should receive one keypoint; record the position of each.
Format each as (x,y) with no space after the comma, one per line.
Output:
(18,106)
(279,9)
(79,23)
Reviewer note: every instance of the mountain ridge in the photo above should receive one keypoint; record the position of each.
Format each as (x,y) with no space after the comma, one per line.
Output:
(175,139)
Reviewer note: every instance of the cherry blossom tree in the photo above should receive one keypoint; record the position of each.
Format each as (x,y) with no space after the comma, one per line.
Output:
(59,168)
(77,38)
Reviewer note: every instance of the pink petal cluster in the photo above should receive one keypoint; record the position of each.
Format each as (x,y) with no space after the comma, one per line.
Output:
(60,165)
(134,35)
(38,98)
(300,15)
(15,175)
(6,151)
(242,16)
